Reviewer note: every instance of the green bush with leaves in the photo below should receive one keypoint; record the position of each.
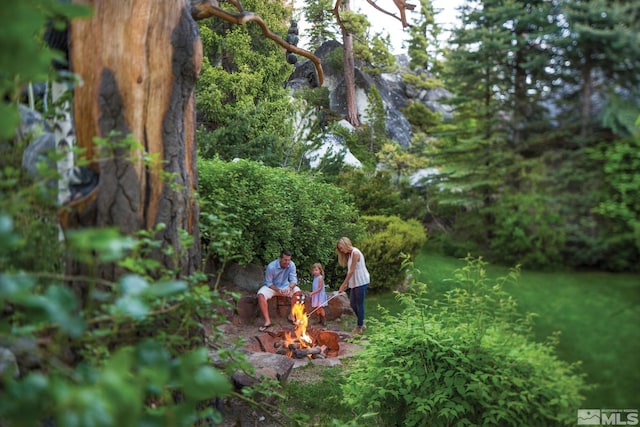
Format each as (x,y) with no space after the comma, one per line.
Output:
(422,119)
(24,57)
(618,210)
(380,193)
(526,234)
(244,110)
(272,209)
(387,240)
(124,354)
(466,359)
(374,194)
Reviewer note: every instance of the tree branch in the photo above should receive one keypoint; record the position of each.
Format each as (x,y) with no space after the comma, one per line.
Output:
(336,13)
(402,7)
(203,9)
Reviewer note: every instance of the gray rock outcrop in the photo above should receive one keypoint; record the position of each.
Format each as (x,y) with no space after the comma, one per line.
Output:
(396,94)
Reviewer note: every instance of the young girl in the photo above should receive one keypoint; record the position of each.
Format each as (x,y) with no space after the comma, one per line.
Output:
(318,295)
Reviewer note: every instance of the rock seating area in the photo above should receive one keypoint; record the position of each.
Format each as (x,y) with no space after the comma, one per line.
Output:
(248,313)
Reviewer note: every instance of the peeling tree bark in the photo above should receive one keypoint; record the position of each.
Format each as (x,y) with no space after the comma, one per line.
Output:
(138,61)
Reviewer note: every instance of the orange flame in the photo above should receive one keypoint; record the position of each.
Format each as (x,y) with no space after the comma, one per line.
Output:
(301,321)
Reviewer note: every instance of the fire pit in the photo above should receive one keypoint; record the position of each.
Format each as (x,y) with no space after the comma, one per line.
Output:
(319,345)
(302,342)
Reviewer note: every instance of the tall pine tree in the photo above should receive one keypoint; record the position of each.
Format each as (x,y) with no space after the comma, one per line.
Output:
(600,48)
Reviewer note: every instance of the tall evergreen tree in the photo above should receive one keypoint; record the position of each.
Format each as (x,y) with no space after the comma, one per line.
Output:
(473,161)
(526,77)
(376,118)
(424,47)
(532,23)
(497,71)
(322,24)
(600,48)
(500,61)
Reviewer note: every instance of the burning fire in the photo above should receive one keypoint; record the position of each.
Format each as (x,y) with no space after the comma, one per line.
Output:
(301,322)
(318,345)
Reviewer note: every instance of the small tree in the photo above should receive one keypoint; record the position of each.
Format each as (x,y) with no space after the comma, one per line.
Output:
(388,239)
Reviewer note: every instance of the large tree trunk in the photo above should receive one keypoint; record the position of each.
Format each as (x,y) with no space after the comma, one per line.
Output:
(138,61)
(349,73)
(350,81)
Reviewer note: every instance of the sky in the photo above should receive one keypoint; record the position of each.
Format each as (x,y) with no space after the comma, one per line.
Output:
(381,22)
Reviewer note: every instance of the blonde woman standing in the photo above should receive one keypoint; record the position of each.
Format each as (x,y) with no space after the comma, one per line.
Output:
(357,278)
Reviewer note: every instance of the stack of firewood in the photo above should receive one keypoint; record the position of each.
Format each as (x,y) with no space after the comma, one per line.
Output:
(298,350)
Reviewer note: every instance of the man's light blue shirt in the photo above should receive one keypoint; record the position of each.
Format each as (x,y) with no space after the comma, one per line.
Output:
(281,277)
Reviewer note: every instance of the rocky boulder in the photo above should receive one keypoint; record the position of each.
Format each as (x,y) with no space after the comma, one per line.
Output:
(396,94)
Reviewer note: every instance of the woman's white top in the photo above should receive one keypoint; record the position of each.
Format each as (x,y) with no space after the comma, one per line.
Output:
(360,274)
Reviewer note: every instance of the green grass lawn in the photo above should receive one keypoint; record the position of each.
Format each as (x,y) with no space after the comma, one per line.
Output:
(597,315)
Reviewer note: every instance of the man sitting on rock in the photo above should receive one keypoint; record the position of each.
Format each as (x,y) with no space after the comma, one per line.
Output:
(280,279)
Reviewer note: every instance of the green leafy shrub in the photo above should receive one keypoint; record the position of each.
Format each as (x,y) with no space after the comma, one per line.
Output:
(30,205)
(421,117)
(388,239)
(24,57)
(467,359)
(244,110)
(90,360)
(527,235)
(373,194)
(335,60)
(318,96)
(359,142)
(376,194)
(618,210)
(421,82)
(274,209)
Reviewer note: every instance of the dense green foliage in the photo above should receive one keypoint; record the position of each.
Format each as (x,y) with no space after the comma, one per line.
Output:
(518,180)
(251,212)
(565,304)
(387,241)
(619,207)
(82,351)
(273,209)
(376,194)
(89,361)
(322,24)
(24,57)
(589,310)
(38,229)
(425,45)
(465,359)
(539,166)
(243,108)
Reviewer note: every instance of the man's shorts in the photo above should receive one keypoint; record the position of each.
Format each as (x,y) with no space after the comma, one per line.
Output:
(270,293)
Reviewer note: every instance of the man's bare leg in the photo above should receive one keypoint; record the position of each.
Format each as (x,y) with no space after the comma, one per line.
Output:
(264,308)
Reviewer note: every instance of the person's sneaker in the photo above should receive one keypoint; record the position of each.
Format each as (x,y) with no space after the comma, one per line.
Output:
(357,331)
